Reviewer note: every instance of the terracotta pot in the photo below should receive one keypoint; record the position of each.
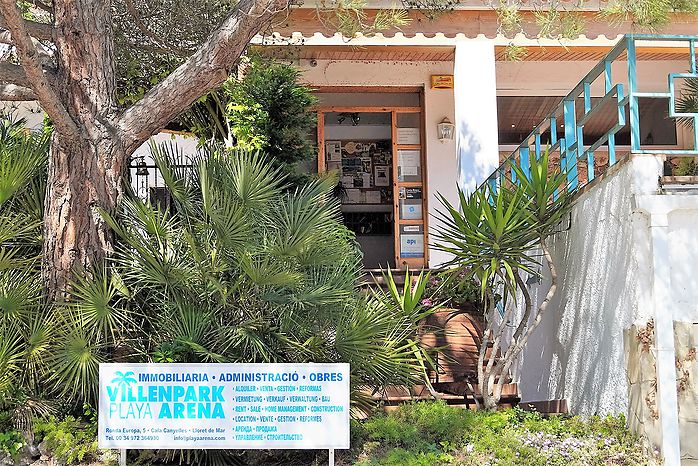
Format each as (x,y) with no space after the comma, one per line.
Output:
(453,338)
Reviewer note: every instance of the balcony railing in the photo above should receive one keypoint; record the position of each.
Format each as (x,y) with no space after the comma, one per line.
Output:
(562,131)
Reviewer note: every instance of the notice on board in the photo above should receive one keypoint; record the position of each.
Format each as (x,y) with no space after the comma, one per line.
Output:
(221,406)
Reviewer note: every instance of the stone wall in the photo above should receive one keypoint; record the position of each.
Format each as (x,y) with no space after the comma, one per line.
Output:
(643,412)
(30,455)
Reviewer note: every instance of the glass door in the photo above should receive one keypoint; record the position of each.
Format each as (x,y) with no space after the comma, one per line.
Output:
(378,155)
(411,247)
(357,146)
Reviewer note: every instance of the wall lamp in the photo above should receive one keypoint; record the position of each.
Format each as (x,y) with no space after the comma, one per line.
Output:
(445,130)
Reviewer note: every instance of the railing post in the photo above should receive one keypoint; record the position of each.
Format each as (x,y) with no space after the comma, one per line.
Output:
(525,161)
(568,153)
(632,97)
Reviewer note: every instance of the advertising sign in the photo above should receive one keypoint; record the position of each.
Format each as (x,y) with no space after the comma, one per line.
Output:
(411,245)
(225,406)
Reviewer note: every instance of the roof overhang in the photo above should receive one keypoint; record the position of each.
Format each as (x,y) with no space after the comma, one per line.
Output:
(440,47)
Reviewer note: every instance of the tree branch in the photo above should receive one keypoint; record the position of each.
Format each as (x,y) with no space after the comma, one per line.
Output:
(517,346)
(13,74)
(41,31)
(15,93)
(202,72)
(43,6)
(158,41)
(29,59)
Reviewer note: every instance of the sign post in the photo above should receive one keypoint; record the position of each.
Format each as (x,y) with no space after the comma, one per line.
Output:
(223,406)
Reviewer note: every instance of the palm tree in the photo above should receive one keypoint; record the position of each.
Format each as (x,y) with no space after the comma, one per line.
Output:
(494,236)
(124,380)
(687,102)
(25,323)
(240,269)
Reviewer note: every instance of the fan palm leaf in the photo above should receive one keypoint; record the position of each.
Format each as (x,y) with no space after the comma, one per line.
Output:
(22,154)
(687,102)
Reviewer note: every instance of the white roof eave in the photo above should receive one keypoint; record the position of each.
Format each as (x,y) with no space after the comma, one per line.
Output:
(420,39)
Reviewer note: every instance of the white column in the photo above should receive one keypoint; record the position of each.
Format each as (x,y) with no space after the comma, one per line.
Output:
(475,95)
(664,340)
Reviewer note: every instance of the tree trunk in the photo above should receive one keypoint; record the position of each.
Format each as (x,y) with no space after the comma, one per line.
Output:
(85,171)
(83,175)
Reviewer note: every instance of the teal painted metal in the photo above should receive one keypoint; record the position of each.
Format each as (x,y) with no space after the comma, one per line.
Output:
(569,138)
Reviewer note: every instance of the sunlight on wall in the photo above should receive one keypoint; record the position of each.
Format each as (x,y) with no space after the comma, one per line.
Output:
(577,352)
(475,95)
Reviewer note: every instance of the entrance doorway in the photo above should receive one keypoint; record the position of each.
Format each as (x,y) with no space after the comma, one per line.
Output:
(378,155)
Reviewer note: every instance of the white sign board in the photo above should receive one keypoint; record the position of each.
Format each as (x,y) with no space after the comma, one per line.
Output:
(224,406)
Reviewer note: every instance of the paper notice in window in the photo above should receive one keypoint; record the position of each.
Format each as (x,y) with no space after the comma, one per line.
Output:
(411,245)
(408,159)
(333,149)
(408,135)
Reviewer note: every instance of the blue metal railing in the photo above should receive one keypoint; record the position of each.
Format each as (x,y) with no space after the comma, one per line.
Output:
(569,138)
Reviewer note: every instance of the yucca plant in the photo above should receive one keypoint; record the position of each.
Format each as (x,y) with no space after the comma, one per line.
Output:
(494,235)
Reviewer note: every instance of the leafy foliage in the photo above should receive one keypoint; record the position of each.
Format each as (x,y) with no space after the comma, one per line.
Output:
(349,17)
(491,232)
(687,166)
(241,269)
(267,110)
(437,434)
(651,15)
(451,289)
(11,442)
(270,111)
(153,37)
(687,102)
(492,236)
(70,440)
(24,326)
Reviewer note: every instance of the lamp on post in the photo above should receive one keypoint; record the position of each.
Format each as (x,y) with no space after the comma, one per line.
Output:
(445,130)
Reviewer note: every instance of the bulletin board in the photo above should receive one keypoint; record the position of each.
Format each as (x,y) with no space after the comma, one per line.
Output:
(364,169)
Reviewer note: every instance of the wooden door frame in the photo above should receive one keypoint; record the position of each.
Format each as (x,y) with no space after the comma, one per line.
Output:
(393,110)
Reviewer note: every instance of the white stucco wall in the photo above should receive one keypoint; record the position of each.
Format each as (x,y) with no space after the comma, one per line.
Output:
(32,113)
(605,268)
(683,261)
(186,146)
(442,167)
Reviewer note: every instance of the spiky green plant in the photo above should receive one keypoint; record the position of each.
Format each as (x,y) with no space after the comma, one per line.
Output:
(494,235)
(242,269)
(687,102)
(25,329)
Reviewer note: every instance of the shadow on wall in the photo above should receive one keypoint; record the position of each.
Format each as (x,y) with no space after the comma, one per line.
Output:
(577,351)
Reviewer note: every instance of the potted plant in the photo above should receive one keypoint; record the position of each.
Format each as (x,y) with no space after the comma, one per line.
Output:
(453,333)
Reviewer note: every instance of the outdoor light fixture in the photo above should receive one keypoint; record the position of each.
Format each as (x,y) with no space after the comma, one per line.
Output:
(445,130)
(142,177)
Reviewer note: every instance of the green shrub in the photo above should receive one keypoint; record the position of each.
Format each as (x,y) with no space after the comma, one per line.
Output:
(437,434)
(11,442)
(269,110)
(70,440)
